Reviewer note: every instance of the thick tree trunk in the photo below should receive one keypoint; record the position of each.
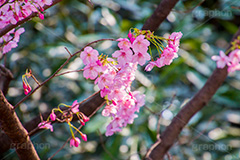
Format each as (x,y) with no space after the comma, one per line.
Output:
(13,128)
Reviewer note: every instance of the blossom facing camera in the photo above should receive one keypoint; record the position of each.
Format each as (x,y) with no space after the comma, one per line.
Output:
(222,59)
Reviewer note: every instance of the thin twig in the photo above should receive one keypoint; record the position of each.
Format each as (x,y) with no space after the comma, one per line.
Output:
(201,133)
(59,69)
(68,51)
(160,115)
(60,74)
(103,146)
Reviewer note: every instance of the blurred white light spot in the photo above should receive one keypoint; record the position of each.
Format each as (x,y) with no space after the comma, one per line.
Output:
(216,133)
(125,132)
(205,47)
(207,156)
(171,17)
(105,45)
(14,92)
(152,123)
(23,107)
(42,107)
(46,72)
(123,148)
(234,118)
(15,56)
(91,146)
(108,17)
(143,79)
(167,114)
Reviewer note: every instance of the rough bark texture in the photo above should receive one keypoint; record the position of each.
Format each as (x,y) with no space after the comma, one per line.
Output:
(200,99)
(5,78)
(159,15)
(13,128)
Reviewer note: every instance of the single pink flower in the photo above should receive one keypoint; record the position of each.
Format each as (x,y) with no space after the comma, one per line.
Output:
(91,71)
(141,58)
(222,59)
(89,55)
(108,110)
(123,56)
(140,44)
(75,107)
(75,141)
(45,125)
(124,44)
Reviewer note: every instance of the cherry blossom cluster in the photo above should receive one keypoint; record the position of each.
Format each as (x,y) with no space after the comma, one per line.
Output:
(232,60)
(67,116)
(114,76)
(11,12)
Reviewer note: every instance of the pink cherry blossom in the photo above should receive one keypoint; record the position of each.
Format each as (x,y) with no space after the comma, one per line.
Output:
(105,80)
(124,44)
(234,60)
(140,44)
(174,40)
(222,59)
(109,109)
(45,125)
(141,58)
(89,55)
(123,56)
(91,71)
(75,141)
(169,55)
(75,106)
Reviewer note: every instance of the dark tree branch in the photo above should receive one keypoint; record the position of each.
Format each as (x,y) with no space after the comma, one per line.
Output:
(5,78)
(159,15)
(13,128)
(34,14)
(201,98)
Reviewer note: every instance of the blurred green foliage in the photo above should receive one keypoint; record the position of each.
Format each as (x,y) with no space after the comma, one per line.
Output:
(212,133)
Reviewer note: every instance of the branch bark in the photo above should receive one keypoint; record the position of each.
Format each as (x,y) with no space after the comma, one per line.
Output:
(200,99)
(34,14)
(5,78)
(159,15)
(13,128)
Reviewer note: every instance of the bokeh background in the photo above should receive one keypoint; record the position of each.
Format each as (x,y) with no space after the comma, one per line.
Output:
(213,133)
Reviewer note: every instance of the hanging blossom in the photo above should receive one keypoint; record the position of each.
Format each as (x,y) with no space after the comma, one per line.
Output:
(67,116)
(114,76)
(14,11)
